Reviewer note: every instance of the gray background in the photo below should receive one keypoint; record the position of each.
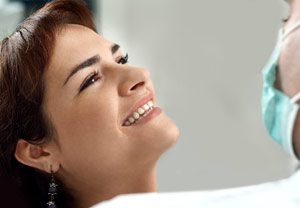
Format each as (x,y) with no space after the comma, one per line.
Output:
(205,59)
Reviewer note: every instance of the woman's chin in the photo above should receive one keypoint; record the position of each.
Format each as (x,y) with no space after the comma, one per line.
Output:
(165,133)
(155,136)
(171,132)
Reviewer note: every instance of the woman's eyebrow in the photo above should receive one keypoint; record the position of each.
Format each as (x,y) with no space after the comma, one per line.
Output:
(87,63)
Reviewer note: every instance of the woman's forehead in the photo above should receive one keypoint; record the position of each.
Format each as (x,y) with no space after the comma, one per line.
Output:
(73,44)
(77,37)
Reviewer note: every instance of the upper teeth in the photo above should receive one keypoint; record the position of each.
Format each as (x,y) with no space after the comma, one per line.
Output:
(138,113)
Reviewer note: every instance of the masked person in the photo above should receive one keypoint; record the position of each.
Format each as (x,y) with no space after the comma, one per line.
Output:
(280,111)
(280,94)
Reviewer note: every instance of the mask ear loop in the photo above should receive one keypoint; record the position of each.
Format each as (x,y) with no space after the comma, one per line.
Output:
(295,98)
(290,130)
(289,31)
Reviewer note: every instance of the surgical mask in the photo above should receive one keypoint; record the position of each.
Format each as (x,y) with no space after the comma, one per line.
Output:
(278,110)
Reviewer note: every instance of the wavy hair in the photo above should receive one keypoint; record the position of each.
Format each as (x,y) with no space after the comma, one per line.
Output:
(24,57)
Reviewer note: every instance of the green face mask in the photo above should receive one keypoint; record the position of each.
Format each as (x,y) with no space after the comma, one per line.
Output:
(278,110)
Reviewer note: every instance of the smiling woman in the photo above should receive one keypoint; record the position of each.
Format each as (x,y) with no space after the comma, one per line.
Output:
(73,113)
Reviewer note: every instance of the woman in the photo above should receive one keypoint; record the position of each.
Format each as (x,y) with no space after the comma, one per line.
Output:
(280,111)
(74,116)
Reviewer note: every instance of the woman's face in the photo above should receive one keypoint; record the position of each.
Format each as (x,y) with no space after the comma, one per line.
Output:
(89,94)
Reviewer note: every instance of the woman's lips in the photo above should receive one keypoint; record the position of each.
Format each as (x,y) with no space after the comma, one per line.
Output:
(140,107)
(139,113)
(148,116)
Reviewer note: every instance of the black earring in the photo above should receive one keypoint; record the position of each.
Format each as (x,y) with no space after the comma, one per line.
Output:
(52,191)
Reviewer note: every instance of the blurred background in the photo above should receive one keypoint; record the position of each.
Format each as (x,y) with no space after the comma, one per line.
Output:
(205,59)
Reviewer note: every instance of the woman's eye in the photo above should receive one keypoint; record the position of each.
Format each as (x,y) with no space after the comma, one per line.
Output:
(123,59)
(89,80)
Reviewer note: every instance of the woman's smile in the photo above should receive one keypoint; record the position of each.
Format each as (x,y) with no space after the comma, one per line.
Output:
(78,107)
(142,111)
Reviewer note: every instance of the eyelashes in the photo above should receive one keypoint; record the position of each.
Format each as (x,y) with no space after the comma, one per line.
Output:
(92,78)
(89,80)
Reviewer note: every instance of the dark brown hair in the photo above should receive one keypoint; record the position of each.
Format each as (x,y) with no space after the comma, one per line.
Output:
(24,56)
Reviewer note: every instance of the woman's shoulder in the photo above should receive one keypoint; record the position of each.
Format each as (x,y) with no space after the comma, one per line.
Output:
(281,193)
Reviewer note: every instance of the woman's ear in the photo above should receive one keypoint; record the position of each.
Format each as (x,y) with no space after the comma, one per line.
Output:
(37,156)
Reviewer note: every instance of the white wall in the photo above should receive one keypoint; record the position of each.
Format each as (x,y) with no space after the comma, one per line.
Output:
(10,15)
(205,59)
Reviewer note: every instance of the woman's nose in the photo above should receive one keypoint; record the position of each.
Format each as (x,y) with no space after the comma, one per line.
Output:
(133,80)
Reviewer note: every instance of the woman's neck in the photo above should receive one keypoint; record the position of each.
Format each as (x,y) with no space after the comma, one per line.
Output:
(141,183)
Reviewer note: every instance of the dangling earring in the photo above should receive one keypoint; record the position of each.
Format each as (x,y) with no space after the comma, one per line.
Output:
(52,190)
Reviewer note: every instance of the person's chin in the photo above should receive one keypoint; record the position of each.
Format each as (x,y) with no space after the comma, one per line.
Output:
(155,138)
(165,132)
(160,133)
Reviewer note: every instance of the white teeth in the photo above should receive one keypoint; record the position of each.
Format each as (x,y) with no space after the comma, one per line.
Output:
(141,111)
(131,120)
(136,115)
(146,107)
